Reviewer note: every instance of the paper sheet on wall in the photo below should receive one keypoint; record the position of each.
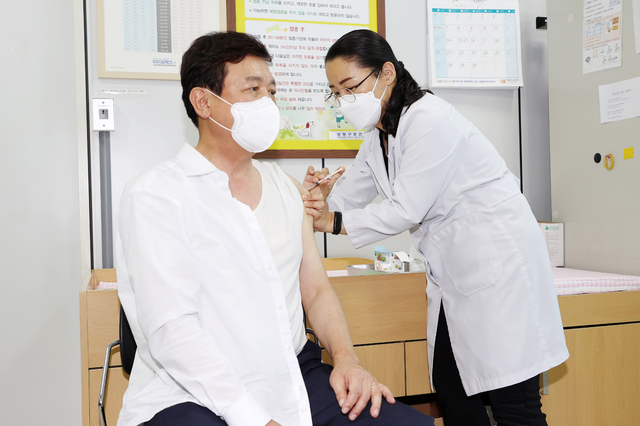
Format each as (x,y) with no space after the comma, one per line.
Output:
(147,38)
(602,35)
(620,101)
(636,23)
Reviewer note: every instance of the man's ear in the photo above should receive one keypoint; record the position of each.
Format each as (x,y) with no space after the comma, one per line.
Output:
(200,102)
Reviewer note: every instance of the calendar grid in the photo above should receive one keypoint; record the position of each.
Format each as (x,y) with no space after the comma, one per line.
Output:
(475,47)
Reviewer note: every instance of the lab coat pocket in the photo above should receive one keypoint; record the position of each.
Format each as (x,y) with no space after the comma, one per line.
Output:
(470,257)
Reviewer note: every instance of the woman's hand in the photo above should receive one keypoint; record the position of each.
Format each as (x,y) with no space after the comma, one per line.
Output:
(318,209)
(312,177)
(314,201)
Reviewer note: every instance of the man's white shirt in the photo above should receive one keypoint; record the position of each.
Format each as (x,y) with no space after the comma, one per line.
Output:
(217,319)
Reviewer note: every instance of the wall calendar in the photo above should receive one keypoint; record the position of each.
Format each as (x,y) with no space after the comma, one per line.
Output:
(474,44)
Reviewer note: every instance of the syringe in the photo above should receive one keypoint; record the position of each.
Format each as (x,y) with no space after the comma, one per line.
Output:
(322,180)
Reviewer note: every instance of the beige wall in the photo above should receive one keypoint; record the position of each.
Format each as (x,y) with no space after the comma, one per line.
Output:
(599,207)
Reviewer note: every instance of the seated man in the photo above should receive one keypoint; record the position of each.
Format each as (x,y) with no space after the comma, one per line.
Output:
(215,263)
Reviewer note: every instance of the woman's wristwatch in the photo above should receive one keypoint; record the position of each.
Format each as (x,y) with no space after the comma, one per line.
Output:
(337,223)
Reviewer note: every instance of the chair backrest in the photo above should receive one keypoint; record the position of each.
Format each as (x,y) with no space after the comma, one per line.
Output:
(128,344)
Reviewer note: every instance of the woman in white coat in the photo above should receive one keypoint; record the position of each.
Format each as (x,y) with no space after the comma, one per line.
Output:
(493,322)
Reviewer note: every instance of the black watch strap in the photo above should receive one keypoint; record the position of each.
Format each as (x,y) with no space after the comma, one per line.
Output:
(337,223)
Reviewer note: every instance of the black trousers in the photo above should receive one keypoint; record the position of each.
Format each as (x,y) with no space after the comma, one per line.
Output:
(515,405)
(325,410)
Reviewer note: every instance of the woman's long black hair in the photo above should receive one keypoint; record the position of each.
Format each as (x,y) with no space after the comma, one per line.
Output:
(370,50)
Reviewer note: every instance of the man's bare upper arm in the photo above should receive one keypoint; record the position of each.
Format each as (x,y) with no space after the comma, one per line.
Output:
(312,272)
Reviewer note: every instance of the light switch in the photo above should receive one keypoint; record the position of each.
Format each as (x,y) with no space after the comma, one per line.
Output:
(103,117)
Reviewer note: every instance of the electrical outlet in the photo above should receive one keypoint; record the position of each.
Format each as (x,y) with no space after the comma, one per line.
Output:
(103,117)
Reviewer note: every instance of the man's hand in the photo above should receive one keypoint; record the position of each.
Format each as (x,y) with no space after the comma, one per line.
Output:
(354,387)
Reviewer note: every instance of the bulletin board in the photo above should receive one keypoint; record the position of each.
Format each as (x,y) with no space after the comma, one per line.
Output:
(145,39)
(298,35)
(474,44)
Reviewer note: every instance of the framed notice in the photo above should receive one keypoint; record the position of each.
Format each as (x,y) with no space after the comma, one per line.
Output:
(145,39)
(474,44)
(298,35)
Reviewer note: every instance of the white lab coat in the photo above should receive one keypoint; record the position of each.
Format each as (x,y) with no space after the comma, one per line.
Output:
(486,257)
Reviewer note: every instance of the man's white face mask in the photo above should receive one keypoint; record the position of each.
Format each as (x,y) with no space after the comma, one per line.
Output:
(255,124)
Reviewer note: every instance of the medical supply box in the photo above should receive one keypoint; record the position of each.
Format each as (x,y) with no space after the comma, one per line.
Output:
(554,236)
(391,261)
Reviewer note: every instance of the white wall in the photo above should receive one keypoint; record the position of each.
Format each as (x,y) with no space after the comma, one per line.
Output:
(494,112)
(40,259)
(44,211)
(150,129)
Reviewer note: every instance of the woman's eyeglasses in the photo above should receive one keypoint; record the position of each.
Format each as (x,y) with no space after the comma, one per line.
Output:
(348,95)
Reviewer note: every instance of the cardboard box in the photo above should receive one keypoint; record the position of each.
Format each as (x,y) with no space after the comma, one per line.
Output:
(390,261)
(554,236)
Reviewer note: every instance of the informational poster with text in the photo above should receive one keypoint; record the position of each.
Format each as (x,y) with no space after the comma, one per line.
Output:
(602,35)
(298,35)
(146,38)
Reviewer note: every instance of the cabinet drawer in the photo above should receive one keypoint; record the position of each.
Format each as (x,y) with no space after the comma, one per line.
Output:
(385,362)
(417,368)
(384,308)
(102,322)
(117,383)
(600,382)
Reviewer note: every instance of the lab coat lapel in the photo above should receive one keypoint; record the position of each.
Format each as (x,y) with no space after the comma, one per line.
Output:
(376,164)
(391,153)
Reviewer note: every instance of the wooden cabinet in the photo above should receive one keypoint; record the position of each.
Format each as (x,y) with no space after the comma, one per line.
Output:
(99,319)
(387,319)
(417,368)
(385,362)
(117,383)
(384,308)
(401,366)
(386,314)
(600,382)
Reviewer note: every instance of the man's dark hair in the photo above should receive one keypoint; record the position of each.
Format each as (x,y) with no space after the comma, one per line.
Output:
(204,64)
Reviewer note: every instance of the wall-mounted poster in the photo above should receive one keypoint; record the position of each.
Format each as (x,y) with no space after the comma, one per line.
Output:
(145,39)
(474,44)
(298,35)
(601,35)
